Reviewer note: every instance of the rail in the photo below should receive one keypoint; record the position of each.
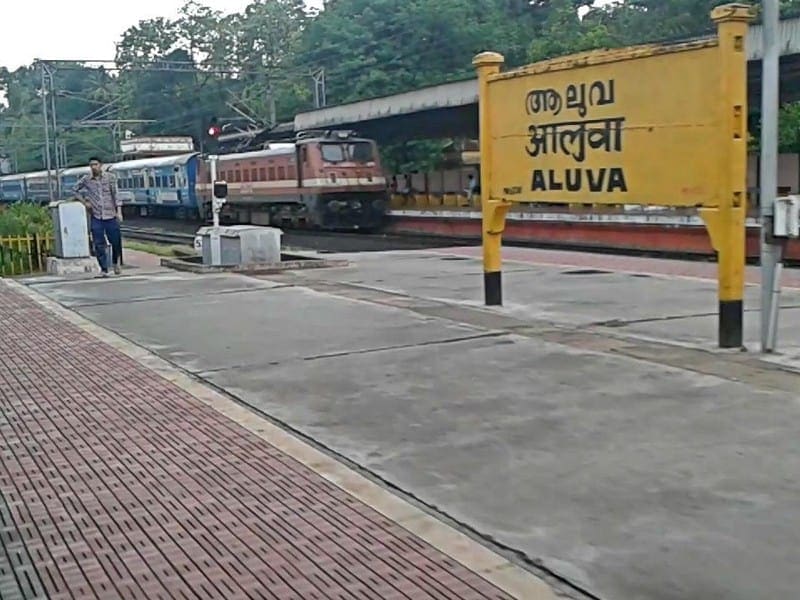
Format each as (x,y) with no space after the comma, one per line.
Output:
(24,254)
(160,237)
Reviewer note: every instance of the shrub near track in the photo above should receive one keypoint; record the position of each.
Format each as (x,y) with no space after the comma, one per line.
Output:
(25,238)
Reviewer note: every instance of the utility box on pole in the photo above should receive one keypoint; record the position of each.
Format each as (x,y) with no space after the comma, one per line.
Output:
(786,218)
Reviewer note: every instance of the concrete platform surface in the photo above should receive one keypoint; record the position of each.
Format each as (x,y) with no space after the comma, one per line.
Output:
(589,424)
(122,478)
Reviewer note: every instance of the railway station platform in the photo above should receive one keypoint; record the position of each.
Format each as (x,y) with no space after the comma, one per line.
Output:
(123,478)
(588,433)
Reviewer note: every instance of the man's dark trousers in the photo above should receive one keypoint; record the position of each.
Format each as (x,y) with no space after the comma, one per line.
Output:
(102,229)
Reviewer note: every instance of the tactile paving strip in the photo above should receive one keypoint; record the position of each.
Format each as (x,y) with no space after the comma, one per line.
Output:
(118,484)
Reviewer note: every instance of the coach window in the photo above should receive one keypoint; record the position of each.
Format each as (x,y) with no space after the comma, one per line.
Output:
(237,176)
(292,173)
(262,172)
(254,174)
(281,173)
(246,174)
(305,154)
(151,181)
(272,173)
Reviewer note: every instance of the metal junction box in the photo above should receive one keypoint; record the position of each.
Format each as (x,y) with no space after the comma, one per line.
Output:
(71,229)
(786,219)
(241,245)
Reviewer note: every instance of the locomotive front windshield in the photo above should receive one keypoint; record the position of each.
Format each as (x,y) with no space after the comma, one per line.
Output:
(358,152)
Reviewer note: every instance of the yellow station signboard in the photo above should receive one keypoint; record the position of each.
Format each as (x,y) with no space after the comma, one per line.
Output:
(639,126)
(655,125)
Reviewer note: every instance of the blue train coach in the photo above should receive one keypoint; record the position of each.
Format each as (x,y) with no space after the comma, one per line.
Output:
(37,186)
(159,187)
(12,188)
(70,178)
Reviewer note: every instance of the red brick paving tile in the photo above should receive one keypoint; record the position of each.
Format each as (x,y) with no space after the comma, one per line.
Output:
(123,481)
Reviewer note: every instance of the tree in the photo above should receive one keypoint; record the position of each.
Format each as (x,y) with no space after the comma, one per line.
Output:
(165,78)
(371,48)
(789,128)
(565,32)
(266,41)
(76,90)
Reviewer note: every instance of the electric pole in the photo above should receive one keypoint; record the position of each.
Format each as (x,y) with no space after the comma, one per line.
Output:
(51,75)
(320,99)
(48,164)
(770,248)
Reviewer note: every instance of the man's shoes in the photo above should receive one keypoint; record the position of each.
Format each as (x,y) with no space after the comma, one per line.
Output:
(103,275)
(117,270)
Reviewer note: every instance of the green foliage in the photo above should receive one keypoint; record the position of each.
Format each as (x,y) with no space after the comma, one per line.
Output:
(415,155)
(789,128)
(78,90)
(24,219)
(376,47)
(565,32)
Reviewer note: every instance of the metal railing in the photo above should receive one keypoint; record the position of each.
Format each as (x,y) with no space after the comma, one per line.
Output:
(23,254)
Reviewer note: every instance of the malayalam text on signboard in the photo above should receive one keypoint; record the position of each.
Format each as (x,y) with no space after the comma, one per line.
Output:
(629,130)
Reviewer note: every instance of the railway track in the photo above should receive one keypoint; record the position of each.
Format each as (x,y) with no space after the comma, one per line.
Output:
(158,236)
(346,242)
(320,241)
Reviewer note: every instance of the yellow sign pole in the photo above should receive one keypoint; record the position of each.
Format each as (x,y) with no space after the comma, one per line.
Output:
(493,211)
(726,223)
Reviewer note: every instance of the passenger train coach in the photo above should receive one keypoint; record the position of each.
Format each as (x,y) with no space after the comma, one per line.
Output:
(324,180)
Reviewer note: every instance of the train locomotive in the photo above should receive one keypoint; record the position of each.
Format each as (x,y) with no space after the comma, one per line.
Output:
(329,180)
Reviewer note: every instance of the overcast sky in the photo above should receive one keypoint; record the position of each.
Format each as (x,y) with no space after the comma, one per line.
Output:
(80,29)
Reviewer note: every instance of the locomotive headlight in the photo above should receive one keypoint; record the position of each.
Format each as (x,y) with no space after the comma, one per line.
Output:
(355,204)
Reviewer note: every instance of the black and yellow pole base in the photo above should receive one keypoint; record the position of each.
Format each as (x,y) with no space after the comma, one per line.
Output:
(726,227)
(731,325)
(493,288)
(494,222)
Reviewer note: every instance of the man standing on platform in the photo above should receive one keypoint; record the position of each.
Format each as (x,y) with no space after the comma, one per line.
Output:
(99,194)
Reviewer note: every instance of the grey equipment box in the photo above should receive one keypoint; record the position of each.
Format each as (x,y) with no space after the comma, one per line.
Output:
(242,245)
(71,229)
